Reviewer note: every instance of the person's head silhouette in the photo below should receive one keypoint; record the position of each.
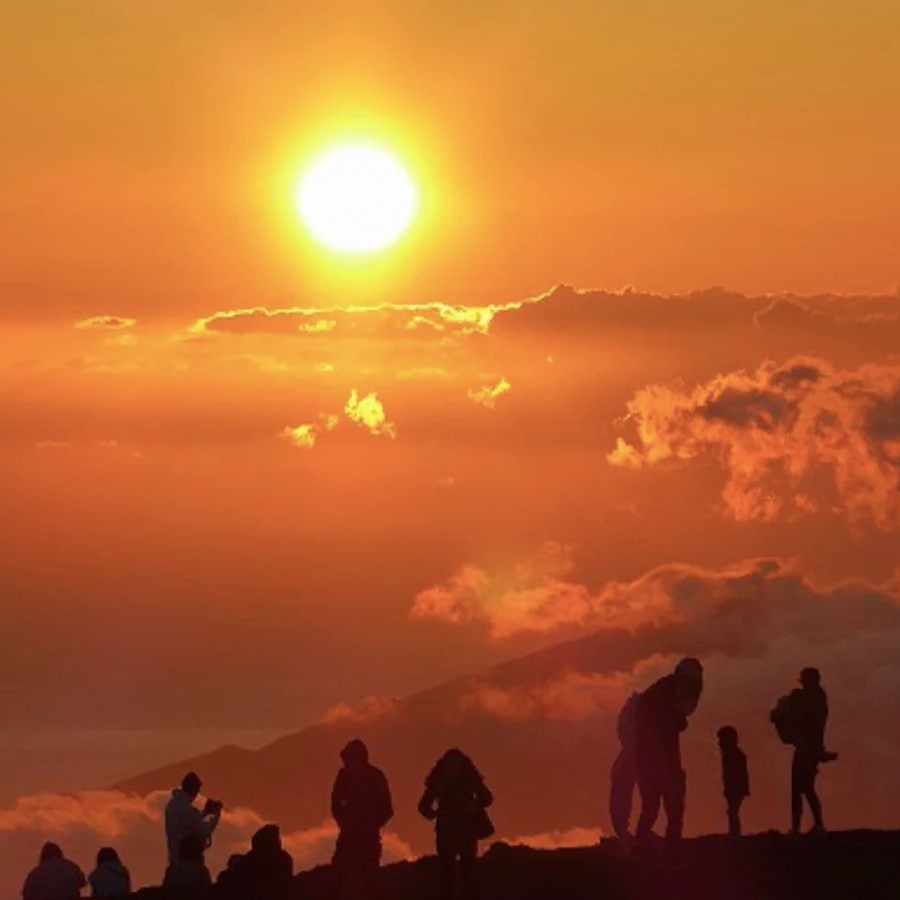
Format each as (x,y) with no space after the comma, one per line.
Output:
(267,839)
(728,737)
(51,851)
(810,677)
(107,855)
(191,785)
(355,754)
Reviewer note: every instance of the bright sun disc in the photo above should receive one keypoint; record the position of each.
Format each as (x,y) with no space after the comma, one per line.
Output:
(356,198)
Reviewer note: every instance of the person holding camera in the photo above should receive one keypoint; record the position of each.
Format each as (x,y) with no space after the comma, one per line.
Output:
(183,818)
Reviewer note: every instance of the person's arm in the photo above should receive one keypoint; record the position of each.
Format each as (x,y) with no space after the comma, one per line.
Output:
(387,805)
(127,881)
(82,881)
(483,796)
(426,804)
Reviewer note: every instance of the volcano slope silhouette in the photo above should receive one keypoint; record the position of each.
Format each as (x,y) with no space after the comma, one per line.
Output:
(839,866)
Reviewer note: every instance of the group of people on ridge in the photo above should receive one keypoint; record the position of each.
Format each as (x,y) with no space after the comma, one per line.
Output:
(456,799)
(649,728)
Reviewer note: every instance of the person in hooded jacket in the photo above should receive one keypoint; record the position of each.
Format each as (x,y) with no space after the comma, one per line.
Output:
(110,878)
(183,818)
(456,799)
(361,806)
(267,860)
(54,878)
(661,716)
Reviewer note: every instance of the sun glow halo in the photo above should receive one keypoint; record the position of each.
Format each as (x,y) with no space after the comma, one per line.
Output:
(356,198)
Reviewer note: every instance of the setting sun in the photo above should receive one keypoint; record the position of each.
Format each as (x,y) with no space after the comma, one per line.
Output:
(356,198)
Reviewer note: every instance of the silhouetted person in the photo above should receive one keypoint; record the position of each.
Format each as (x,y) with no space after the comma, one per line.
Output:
(809,716)
(54,878)
(231,873)
(361,806)
(623,776)
(735,777)
(110,878)
(661,715)
(456,798)
(183,818)
(189,871)
(267,860)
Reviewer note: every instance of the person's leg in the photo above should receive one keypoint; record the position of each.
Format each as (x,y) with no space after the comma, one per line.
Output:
(674,796)
(796,792)
(651,797)
(446,853)
(812,798)
(621,793)
(468,853)
(734,816)
(337,886)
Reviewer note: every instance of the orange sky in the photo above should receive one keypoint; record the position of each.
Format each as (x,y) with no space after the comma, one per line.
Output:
(232,465)
(149,148)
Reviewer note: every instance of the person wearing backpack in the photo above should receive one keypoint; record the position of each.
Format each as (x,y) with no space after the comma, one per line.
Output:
(661,715)
(456,799)
(800,719)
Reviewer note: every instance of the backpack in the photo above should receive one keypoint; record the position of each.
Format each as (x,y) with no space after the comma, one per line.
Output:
(784,718)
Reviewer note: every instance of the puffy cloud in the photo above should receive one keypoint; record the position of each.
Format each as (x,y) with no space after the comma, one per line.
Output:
(487,396)
(369,412)
(83,822)
(774,428)
(566,696)
(771,595)
(106,322)
(306,435)
(530,597)
(370,709)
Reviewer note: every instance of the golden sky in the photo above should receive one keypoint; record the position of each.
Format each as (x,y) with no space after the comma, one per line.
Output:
(338,478)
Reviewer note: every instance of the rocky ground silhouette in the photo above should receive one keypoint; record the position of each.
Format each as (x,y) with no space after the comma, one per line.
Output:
(852,864)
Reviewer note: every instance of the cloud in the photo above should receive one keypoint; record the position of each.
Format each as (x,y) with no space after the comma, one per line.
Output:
(530,597)
(106,322)
(557,840)
(369,412)
(771,595)
(370,709)
(84,821)
(52,445)
(306,435)
(566,696)
(487,396)
(410,320)
(774,428)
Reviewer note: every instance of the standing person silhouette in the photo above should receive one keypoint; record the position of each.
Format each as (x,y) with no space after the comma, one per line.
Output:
(661,715)
(183,818)
(809,712)
(456,799)
(361,806)
(735,776)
